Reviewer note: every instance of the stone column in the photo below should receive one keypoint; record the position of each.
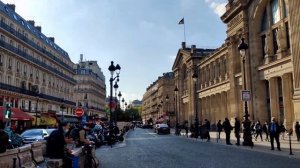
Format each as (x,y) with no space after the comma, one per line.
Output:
(274,100)
(287,87)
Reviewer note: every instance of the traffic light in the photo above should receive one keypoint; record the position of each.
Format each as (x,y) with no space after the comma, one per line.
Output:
(7,111)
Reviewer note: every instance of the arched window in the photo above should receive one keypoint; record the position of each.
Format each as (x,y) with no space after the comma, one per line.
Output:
(275,11)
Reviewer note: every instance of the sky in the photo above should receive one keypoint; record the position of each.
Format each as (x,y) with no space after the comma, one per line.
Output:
(142,36)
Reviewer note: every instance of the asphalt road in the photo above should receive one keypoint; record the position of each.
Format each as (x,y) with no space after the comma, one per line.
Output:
(145,149)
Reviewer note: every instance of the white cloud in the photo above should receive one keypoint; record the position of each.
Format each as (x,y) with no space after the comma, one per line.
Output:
(218,7)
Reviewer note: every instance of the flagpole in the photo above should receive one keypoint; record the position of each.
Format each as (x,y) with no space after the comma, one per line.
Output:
(184,32)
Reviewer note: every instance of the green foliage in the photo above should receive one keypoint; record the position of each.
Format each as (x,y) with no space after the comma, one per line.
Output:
(130,114)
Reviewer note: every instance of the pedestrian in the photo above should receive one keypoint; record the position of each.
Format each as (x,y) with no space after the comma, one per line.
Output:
(274,131)
(56,143)
(227,128)
(192,130)
(258,130)
(297,130)
(282,130)
(4,139)
(207,126)
(219,127)
(186,129)
(237,129)
(265,130)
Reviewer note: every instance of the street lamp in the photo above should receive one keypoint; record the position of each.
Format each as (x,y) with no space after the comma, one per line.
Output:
(36,106)
(246,123)
(167,100)
(116,86)
(112,68)
(176,117)
(195,77)
(62,109)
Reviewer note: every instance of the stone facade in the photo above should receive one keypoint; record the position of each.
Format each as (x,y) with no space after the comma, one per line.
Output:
(270,29)
(35,73)
(90,90)
(155,105)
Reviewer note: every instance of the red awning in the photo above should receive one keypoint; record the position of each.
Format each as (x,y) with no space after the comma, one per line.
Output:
(16,114)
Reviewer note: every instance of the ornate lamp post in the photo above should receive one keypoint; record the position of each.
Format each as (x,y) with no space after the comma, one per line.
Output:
(246,123)
(175,108)
(116,86)
(112,68)
(195,77)
(123,102)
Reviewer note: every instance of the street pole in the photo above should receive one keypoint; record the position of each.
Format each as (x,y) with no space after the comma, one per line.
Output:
(246,123)
(195,77)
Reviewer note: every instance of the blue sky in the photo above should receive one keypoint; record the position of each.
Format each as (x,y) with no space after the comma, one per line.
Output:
(143,36)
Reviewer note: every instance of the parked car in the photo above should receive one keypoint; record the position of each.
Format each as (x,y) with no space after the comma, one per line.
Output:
(33,135)
(50,130)
(147,126)
(162,129)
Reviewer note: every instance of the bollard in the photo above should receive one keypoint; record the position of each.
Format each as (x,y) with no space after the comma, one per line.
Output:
(290,141)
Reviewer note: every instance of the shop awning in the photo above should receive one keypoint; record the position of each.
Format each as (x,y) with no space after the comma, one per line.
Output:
(16,114)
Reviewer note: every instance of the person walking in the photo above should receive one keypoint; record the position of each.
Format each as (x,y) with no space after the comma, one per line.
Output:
(274,131)
(237,129)
(265,130)
(227,128)
(186,129)
(219,129)
(207,126)
(258,130)
(297,130)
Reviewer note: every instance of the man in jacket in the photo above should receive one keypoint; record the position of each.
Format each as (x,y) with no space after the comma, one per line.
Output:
(274,131)
(227,129)
(237,129)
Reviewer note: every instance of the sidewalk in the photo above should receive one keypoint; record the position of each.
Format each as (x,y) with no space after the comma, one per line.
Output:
(259,146)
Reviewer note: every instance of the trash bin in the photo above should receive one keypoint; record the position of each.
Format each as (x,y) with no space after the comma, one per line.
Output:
(75,162)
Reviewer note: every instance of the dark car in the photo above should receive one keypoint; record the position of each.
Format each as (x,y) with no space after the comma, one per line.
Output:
(34,135)
(162,129)
(147,126)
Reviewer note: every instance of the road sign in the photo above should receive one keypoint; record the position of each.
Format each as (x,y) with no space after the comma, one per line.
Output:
(246,95)
(79,111)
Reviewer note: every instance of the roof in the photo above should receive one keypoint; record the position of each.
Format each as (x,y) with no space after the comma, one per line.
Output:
(5,9)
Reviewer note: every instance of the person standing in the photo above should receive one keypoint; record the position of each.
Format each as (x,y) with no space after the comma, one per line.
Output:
(219,129)
(227,128)
(297,130)
(258,130)
(186,129)
(237,129)
(274,131)
(207,126)
(265,130)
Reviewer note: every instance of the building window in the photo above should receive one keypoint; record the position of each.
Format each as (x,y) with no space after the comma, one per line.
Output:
(18,66)
(25,69)
(275,42)
(9,63)
(288,45)
(264,47)
(275,11)
(285,9)
(264,22)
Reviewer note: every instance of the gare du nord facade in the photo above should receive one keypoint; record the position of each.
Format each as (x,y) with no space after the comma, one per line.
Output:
(271,28)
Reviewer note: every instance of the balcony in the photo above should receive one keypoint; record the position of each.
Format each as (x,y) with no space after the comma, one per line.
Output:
(32,93)
(34,60)
(32,44)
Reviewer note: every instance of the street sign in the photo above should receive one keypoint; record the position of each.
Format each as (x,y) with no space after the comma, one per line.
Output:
(79,111)
(83,119)
(246,95)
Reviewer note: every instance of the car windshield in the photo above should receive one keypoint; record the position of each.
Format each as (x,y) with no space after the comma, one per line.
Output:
(162,125)
(32,133)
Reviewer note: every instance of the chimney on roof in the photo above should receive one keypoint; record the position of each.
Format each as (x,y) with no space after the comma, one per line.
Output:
(52,39)
(39,28)
(31,22)
(183,45)
(193,49)
(12,6)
